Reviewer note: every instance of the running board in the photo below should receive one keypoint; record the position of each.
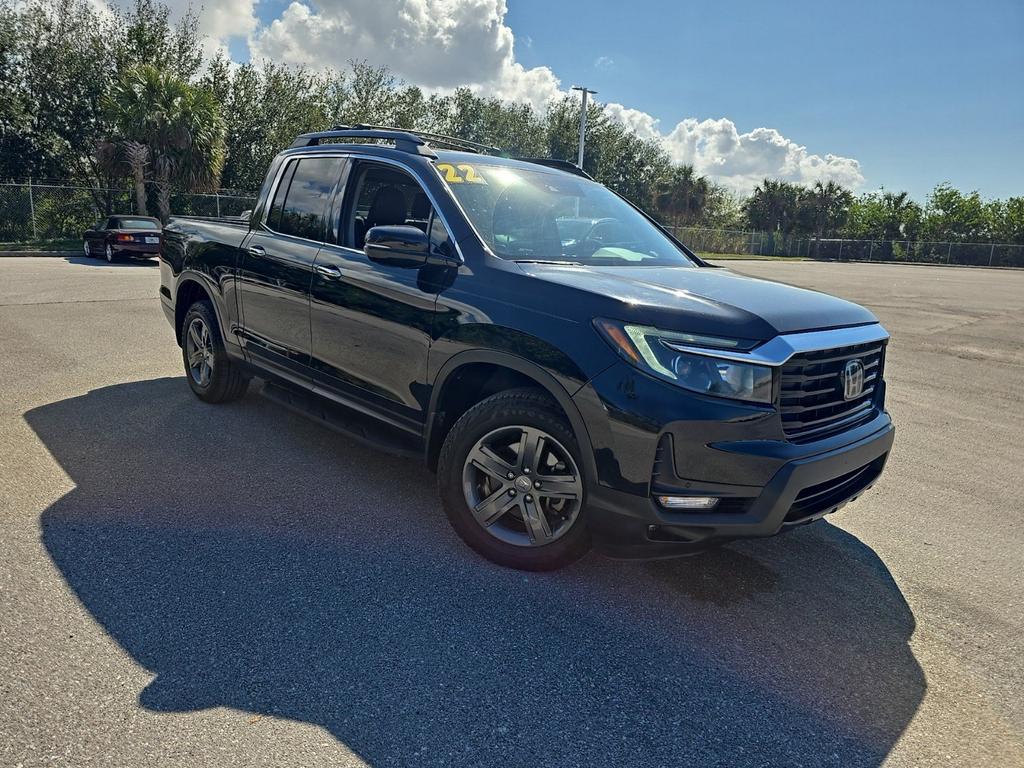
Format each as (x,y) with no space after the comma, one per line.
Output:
(357,426)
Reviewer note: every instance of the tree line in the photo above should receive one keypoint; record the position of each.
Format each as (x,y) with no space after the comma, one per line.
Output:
(109,99)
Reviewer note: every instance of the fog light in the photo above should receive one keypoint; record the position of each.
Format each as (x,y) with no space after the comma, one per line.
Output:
(687,502)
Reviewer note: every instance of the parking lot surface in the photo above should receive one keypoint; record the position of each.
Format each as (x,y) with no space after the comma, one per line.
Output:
(186,584)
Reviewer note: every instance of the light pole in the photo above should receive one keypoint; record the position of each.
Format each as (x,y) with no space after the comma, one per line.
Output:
(583,120)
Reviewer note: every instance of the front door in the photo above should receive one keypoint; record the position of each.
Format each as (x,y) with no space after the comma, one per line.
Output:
(371,323)
(277,265)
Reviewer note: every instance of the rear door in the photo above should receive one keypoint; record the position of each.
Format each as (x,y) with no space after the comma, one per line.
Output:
(277,264)
(371,323)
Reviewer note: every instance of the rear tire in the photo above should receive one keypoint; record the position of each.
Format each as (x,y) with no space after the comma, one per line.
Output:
(210,372)
(534,520)
(111,258)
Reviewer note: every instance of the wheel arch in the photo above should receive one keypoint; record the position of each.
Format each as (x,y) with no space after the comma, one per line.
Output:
(190,290)
(522,372)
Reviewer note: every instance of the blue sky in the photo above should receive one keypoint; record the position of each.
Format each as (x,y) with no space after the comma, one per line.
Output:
(918,92)
(904,94)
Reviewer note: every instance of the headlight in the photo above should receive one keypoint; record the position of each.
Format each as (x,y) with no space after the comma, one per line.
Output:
(648,349)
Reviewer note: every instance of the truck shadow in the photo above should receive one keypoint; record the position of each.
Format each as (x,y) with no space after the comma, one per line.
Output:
(99,262)
(251,559)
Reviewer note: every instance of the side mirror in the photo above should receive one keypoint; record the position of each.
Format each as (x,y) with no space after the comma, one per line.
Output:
(397,245)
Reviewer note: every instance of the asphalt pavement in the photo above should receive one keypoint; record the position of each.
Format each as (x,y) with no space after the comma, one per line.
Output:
(187,584)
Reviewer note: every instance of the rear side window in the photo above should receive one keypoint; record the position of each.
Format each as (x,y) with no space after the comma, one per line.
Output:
(274,215)
(301,199)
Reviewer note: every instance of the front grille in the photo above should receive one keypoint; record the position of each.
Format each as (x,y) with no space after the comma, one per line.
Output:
(811,394)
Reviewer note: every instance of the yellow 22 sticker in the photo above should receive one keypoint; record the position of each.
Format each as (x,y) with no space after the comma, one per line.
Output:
(453,176)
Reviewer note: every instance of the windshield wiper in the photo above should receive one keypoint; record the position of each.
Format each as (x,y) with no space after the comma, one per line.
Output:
(548,261)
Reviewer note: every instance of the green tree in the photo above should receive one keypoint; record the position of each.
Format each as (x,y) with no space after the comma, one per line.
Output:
(264,108)
(774,206)
(1005,220)
(884,216)
(827,208)
(723,209)
(515,128)
(177,123)
(58,61)
(683,195)
(54,58)
(951,215)
(147,36)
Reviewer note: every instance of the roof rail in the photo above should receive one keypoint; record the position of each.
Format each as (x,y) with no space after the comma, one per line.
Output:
(417,143)
(404,141)
(439,138)
(561,165)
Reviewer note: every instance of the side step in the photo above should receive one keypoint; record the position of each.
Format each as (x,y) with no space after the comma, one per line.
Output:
(357,426)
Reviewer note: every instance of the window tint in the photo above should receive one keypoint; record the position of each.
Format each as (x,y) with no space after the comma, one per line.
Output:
(384,195)
(309,192)
(274,216)
(440,242)
(138,224)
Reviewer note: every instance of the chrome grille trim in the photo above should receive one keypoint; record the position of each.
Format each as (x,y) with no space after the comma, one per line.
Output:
(811,401)
(779,350)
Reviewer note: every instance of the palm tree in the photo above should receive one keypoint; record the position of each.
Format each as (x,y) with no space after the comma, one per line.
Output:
(899,211)
(772,206)
(830,206)
(170,133)
(683,195)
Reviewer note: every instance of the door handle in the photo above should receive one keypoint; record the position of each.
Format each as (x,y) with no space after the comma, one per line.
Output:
(331,273)
(257,250)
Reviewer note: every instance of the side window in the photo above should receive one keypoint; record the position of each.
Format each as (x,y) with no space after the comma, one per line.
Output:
(309,194)
(274,214)
(383,195)
(111,224)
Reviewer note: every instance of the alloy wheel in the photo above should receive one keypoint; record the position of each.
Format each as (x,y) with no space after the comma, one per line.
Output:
(199,352)
(110,255)
(522,486)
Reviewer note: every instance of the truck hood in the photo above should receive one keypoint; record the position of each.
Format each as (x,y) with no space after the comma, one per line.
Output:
(705,300)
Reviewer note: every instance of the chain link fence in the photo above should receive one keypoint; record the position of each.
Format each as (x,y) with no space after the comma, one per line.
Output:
(724,241)
(33,211)
(40,212)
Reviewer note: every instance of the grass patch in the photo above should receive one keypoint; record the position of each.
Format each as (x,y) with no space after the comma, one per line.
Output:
(748,257)
(65,244)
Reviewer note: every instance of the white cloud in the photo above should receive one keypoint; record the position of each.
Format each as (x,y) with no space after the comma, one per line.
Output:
(438,44)
(444,44)
(717,149)
(604,62)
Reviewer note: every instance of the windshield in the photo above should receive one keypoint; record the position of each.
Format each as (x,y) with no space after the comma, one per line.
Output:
(537,215)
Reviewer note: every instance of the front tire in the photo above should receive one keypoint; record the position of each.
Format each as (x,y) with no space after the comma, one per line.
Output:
(511,482)
(209,370)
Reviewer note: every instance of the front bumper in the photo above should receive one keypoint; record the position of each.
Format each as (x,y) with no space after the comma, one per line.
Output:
(803,490)
(651,439)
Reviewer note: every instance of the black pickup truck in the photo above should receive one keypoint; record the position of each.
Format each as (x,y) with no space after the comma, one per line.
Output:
(574,375)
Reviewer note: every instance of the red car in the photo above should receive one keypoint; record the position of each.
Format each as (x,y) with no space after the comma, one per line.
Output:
(137,237)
